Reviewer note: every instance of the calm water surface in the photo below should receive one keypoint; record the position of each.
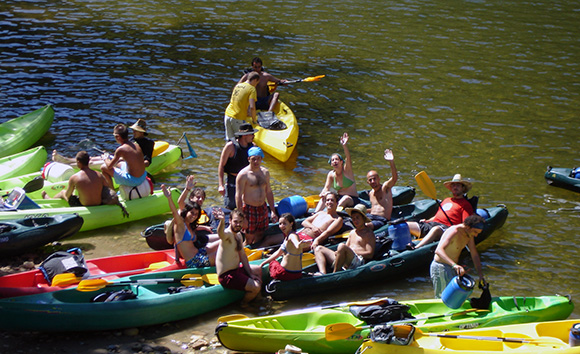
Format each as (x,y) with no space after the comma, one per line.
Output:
(488,89)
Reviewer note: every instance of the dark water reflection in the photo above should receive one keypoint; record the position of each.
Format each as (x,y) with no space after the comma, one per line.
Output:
(489,89)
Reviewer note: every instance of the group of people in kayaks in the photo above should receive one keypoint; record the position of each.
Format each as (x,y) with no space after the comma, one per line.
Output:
(249,202)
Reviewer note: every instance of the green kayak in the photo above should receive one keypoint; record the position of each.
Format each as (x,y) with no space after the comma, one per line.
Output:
(155,303)
(96,216)
(21,133)
(306,328)
(23,162)
(561,177)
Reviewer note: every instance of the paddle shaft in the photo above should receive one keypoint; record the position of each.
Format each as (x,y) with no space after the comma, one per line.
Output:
(496,339)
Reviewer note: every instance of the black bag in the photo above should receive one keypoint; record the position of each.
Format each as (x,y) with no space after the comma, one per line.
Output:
(268,120)
(484,300)
(388,311)
(71,261)
(118,295)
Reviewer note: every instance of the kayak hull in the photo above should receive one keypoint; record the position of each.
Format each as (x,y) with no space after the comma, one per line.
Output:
(549,337)
(394,265)
(27,234)
(102,215)
(279,143)
(23,162)
(306,328)
(72,310)
(560,177)
(21,133)
(33,281)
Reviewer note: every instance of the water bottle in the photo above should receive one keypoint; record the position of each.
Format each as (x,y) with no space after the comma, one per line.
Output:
(574,339)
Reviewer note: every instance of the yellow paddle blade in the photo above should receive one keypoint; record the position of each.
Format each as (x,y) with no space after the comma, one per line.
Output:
(92,284)
(307,259)
(312,201)
(338,331)
(192,280)
(211,278)
(65,279)
(229,318)
(253,254)
(426,184)
(342,235)
(157,265)
(314,78)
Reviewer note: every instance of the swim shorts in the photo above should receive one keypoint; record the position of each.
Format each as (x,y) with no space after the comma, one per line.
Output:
(258,218)
(200,260)
(281,273)
(426,226)
(234,279)
(441,275)
(357,261)
(378,221)
(74,201)
(263,103)
(304,237)
(123,177)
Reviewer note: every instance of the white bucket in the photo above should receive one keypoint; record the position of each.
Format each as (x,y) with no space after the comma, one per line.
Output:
(142,190)
(57,172)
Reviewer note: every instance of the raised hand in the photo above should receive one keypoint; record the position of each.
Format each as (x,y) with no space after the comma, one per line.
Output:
(218,213)
(344,139)
(166,191)
(389,155)
(190,182)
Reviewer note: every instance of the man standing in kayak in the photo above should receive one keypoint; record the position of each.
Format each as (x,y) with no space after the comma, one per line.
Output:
(131,171)
(232,266)
(265,100)
(453,211)
(242,105)
(444,266)
(88,184)
(252,191)
(233,159)
(381,195)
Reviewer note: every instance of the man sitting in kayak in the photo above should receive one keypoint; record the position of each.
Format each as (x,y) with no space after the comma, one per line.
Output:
(265,100)
(232,266)
(356,251)
(87,183)
(320,226)
(381,195)
(131,169)
(453,211)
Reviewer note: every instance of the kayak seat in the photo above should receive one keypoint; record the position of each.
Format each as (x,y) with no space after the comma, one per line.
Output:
(269,324)
(268,120)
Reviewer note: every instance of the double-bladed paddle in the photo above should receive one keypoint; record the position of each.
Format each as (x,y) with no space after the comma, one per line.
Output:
(428,188)
(307,79)
(65,279)
(187,279)
(339,331)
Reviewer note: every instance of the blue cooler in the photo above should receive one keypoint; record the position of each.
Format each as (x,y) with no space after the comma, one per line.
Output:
(400,235)
(457,291)
(295,205)
(574,339)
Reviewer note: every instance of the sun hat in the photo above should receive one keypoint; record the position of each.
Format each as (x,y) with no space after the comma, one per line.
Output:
(245,129)
(140,126)
(361,209)
(457,179)
(255,151)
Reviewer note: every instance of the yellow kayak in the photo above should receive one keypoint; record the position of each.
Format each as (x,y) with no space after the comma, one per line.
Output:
(539,337)
(279,143)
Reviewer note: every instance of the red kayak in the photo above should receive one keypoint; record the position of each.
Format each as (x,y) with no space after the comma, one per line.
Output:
(34,282)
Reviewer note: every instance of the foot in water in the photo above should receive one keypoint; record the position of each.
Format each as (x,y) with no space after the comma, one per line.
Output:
(56,157)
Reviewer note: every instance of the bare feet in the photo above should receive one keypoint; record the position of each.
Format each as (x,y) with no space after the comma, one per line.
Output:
(44,195)
(56,157)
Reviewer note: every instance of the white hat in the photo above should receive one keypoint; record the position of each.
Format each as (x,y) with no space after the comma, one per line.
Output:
(457,179)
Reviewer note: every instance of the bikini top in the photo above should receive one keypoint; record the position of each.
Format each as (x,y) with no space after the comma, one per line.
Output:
(346,182)
(283,247)
(187,237)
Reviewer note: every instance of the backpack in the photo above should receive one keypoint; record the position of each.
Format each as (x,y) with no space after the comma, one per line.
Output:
(71,261)
(388,311)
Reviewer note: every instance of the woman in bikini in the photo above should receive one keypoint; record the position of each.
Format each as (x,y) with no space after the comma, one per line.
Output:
(341,178)
(291,250)
(181,233)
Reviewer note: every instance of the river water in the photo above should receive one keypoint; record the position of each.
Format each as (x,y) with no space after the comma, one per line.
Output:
(488,89)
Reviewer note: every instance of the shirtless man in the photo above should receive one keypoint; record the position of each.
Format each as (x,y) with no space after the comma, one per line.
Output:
(320,226)
(444,266)
(232,266)
(265,101)
(131,171)
(252,191)
(356,251)
(381,196)
(88,184)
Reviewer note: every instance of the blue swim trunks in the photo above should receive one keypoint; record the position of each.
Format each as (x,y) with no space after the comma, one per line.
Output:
(200,260)
(123,177)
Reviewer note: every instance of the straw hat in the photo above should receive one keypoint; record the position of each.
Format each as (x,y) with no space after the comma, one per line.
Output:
(361,209)
(457,179)
(290,349)
(140,126)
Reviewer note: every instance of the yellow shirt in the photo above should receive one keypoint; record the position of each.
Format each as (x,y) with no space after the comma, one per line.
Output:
(240,101)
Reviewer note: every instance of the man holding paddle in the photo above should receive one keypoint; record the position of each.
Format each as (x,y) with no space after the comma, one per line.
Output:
(265,101)
(453,211)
